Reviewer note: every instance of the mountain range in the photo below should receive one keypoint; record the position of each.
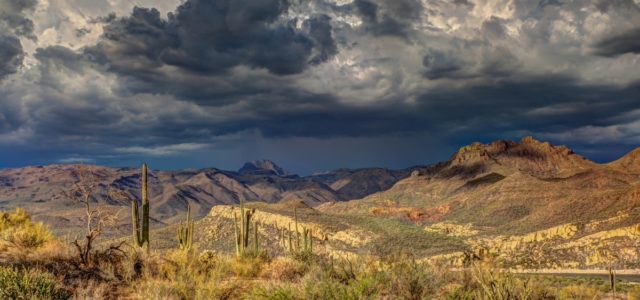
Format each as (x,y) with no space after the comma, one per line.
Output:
(524,202)
(40,189)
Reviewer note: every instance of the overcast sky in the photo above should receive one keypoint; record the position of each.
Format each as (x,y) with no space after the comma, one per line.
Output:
(312,85)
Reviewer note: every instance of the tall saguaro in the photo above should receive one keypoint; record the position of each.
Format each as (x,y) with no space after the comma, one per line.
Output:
(145,206)
(141,233)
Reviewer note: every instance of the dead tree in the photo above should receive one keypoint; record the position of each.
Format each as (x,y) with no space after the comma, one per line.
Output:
(97,217)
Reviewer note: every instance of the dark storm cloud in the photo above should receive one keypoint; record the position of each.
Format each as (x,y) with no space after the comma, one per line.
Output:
(12,16)
(625,39)
(481,112)
(494,28)
(606,5)
(466,3)
(626,42)
(13,24)
(439,64)
(283,71)
(466,59)
(209,37)
(11,55)
(388,17)
(319,28)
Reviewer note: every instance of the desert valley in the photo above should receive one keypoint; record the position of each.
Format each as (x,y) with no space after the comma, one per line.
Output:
(524,206)
(324,149)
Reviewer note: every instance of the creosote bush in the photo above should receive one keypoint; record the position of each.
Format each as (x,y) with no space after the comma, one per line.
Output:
(18,229)
(20,283)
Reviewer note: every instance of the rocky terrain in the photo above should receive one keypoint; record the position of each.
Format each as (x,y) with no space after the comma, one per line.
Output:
(40,190)
(527,203)
(522,203)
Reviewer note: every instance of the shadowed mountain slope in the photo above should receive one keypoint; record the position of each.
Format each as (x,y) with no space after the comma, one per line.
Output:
(508,186)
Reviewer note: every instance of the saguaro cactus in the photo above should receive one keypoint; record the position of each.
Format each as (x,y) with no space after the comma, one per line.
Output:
(255,238)
(141,234)
(612,280)
(308,240)
(307,237)
(185,232)
(241,227)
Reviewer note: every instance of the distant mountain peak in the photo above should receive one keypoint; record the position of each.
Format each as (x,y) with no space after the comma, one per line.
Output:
(262,166)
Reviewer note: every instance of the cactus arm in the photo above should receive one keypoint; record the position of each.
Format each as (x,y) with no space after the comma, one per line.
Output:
(190,229)
(145,207)
(185,232)
(135,223)
(243,227)
(295,215)
(290,244)
(255,238)
(237,231)
(305,242)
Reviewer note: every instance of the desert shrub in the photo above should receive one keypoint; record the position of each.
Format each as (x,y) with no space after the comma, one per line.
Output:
(278,292)
(19,283)
(248,267)
(634,293)
(182,274)
(368,285)
(91,289)
(578,292)
(284,268)
(327,288)
(492,284)
(18,229)
(411,280)
(459,293)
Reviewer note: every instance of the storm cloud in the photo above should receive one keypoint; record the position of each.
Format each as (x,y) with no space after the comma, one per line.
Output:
(14,24)
(626,42)
(218,82)
(210,37)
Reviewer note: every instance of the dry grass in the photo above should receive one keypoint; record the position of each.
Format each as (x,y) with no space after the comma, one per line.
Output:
(23,283)
(52,270)
(18,230)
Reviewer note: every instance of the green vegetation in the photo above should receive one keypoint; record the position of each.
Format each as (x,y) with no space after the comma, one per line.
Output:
(291,240)
(21,283)
(242,228)
(326,256)
(185,231)
(195,274)
(17,229)
(394,235)
(141,233)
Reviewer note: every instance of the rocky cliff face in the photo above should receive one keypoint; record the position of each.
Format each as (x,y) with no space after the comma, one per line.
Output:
(523,203)
(508,187)
(529,156)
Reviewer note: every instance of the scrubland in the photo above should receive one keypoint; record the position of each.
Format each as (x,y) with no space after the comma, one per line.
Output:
(34,264)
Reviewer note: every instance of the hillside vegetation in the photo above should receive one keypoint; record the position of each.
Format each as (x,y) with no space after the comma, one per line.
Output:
(477,226)
(53,270)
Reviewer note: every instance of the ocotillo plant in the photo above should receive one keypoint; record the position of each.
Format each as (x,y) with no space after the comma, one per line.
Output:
(141,234)
(242,229)
(185,232)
